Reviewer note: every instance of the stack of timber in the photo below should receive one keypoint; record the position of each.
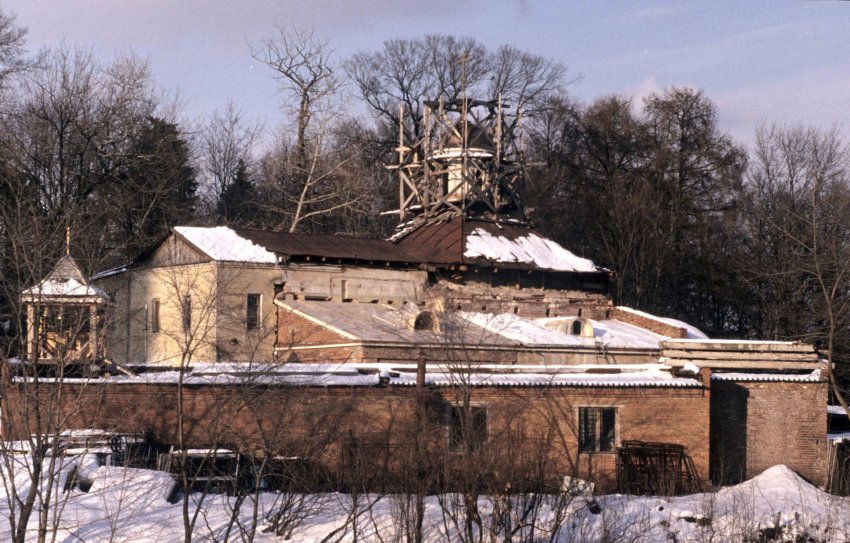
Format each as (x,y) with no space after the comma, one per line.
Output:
(735,354)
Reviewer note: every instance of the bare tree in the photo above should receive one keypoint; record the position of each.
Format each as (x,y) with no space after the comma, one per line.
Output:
(12,40)
(303,67)
(797,226)
(226,146)
(308,177)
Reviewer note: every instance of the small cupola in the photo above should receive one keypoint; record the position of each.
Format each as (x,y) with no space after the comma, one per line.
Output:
(64,316)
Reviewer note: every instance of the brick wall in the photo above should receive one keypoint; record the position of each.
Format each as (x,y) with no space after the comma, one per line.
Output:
(653,325)
(293,329)
(756,425)
(524,424)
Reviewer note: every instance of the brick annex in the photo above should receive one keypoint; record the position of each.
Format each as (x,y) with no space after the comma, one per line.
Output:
(466,339)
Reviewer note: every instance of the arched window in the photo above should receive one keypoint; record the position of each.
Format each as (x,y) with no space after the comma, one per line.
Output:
(425,321)
(575,329)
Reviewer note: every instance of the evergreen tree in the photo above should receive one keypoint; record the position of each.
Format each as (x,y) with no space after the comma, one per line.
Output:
(157,189)
(237,202)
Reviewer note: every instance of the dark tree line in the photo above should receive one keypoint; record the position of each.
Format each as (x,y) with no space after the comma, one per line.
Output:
(740,242)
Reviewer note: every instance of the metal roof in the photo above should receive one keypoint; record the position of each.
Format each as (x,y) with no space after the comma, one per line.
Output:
(327,246)
(776,377)
(445,242)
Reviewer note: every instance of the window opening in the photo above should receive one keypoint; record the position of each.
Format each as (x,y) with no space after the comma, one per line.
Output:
(425,321)
(155,315)
(597,429)
(252,319)
(187,313)
(576,328)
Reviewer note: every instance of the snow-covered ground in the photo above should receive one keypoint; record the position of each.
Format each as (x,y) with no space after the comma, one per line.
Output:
(131,505)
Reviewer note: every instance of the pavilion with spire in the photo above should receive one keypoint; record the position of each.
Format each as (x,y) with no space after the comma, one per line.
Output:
(63,313)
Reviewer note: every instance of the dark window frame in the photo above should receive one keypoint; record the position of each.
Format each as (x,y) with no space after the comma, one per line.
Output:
(155,325)
(187,314)
(253,315)
(597,429)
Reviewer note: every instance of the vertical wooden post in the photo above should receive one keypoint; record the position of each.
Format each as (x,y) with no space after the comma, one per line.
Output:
(499,130)
(420,371)
(400,162)
(426,153)
(464,171)
(31,339)
(93,350)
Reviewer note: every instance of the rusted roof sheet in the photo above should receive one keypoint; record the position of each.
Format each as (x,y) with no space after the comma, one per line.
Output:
(447,242)
(327,246)
(436,243)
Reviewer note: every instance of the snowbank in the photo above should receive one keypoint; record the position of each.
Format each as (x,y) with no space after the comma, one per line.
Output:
(130,505)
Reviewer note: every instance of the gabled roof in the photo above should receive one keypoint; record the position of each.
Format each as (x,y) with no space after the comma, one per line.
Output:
(65,281)
(223,243)
(509,244)
(471,241)
(263,246)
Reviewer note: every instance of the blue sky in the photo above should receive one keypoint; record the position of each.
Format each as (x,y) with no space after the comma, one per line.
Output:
(759,61)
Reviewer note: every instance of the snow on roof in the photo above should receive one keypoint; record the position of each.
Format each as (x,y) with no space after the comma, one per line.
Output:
(812,377)
(70,288)
(223,243)
(390,323)
(755,342)
(439,375)
(525,331)
(608,333)
(616,334)
(693,331)
(530,249)
(385,323)
(66,280)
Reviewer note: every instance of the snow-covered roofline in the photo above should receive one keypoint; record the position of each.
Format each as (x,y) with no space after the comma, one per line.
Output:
(67,289)
(779,377)
(368,375)
(530,248)
(223,243)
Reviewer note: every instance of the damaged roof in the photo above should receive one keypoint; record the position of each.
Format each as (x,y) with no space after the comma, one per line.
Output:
(263,246)
(392,324)
(328,246)
(509,244)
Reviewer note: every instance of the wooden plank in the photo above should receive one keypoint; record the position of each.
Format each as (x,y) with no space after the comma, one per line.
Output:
(740,355)
(708,345)
(745,364)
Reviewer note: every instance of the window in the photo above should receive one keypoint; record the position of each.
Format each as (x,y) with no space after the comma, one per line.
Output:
(576,328)
(252,319)
(154,315)
(597,429)
(469,431)
(425,321)
(187,313)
